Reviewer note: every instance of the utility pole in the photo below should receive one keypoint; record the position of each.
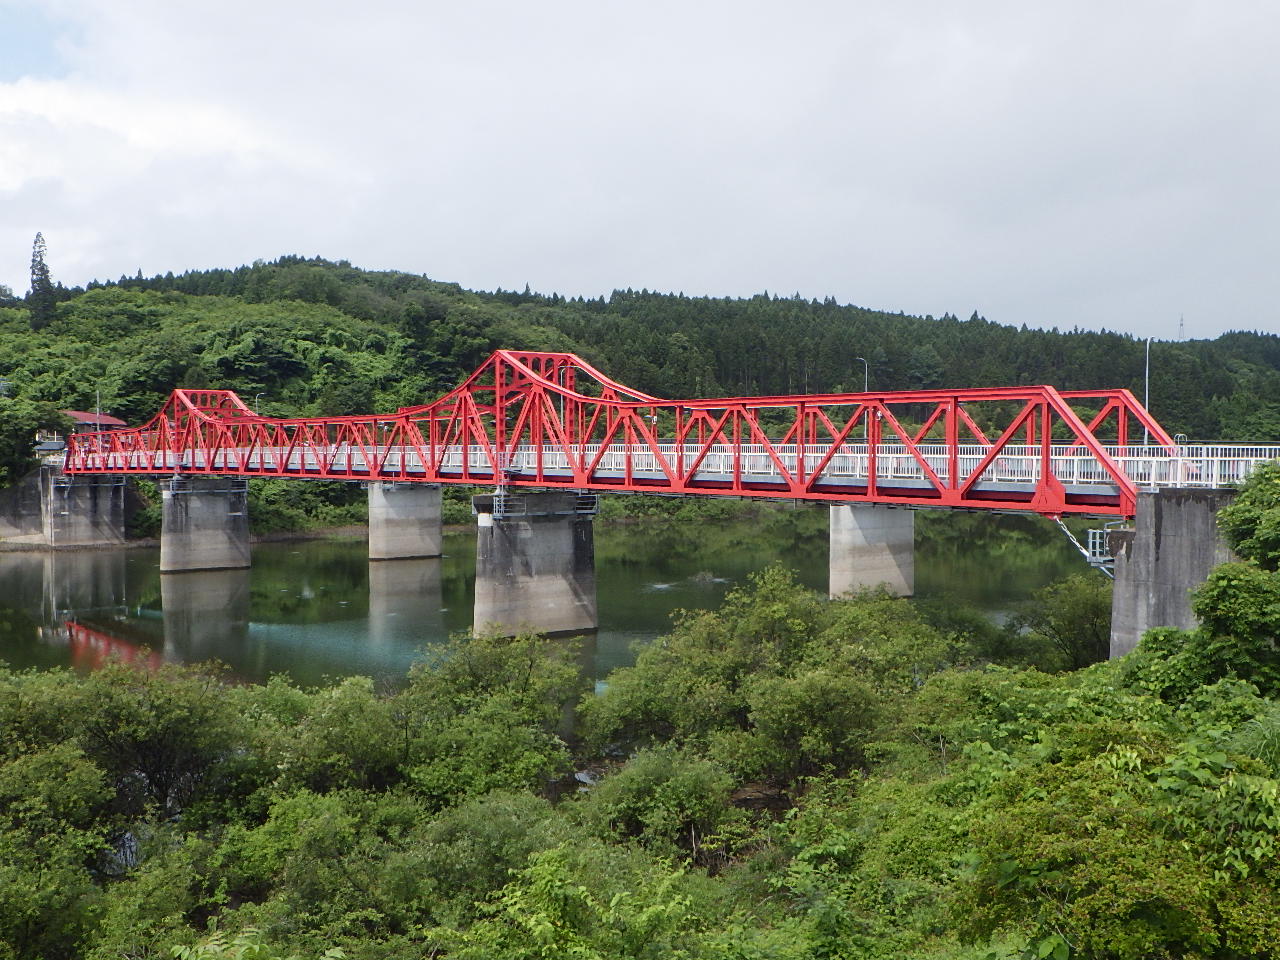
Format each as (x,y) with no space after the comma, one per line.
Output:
(866,380)
(1146,389)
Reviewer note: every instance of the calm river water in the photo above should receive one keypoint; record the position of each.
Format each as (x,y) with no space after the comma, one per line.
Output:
(318,608)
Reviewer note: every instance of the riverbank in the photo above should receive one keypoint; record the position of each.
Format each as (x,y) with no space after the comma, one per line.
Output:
(350,531)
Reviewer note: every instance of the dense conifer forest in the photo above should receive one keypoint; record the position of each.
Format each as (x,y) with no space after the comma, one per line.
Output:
(784,777)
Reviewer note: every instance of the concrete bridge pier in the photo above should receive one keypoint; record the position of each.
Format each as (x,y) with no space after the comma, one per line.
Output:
(404,520)
(204,524)
(81,511)
(535,563)
(872,545)
(1173,545)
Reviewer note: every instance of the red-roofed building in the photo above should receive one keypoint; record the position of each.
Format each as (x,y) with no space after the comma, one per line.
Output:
(49,442)
(87,422)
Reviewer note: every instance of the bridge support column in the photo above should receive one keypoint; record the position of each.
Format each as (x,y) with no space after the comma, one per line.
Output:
(535,563)
(404,520)
(82,510)
(204,524)
(872,545)
(1173,545)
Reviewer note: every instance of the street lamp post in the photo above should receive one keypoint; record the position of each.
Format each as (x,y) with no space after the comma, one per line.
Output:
(866,373)
(256,397)
(866,381)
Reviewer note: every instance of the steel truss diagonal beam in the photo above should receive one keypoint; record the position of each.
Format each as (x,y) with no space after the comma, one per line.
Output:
(531,419)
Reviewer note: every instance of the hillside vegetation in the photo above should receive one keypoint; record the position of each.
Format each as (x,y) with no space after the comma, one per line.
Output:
(316,337)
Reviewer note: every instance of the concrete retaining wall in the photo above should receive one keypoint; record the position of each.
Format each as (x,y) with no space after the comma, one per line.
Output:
(21,512)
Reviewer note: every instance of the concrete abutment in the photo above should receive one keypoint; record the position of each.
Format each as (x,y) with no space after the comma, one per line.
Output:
(49,508)
(1173,545)
(81,511)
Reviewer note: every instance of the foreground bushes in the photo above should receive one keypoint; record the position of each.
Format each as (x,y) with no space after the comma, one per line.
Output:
(785,777)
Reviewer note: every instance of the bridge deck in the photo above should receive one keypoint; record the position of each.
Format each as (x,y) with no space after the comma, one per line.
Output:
(1012,476)
(550,419)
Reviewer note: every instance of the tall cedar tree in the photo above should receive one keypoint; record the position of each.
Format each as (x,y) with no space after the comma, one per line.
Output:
(41,299)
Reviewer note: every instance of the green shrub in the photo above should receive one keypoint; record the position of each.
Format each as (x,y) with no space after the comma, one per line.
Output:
(666,799)
(815,720)
(492,746)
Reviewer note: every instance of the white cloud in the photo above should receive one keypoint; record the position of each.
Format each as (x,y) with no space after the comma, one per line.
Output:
(1102,164)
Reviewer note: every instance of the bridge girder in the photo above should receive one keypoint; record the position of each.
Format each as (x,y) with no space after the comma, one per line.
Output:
(546,420)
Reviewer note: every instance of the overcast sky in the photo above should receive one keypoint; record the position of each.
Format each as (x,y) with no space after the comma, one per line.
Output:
(1099,164)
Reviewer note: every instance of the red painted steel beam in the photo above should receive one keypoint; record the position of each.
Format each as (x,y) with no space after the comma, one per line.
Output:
(552,420)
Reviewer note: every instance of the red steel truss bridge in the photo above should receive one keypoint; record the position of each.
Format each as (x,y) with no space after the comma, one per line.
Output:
(550,420)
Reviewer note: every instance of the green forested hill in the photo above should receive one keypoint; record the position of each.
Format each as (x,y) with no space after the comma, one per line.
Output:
(315,336)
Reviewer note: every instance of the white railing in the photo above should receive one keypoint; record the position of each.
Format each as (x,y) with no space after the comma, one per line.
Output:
(1148,467)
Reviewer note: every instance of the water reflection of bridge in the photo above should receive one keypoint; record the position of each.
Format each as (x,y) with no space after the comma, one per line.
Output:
(100,604)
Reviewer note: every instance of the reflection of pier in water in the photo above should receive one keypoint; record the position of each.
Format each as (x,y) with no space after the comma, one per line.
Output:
(405,600)
(88,606)
(77,601)
(206,615)
(51,586)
